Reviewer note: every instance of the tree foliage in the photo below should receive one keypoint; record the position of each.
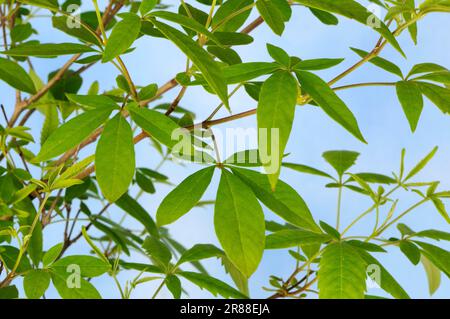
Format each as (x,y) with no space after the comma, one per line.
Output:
(58,178)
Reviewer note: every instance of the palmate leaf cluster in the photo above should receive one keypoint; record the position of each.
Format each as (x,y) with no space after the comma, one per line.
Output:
(48,180)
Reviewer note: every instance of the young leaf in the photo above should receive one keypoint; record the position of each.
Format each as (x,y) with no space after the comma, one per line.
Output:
(71,133)
(114,158)
(184,197)
(13,74)
(411,99)
(325,97)
(341,161)
(342,273)
(438,256)
(35,283)
(122,36)
(209,68)
(284,201)
(416,169)
(433,275)
(275,114)
(239,223)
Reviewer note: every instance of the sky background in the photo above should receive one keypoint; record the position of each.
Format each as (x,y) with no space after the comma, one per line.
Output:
(377,110)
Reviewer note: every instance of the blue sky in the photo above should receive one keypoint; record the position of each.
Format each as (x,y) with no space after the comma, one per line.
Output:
(377,110)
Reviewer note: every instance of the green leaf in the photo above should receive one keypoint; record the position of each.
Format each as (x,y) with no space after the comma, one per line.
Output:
(157,250)
(425,68)
(317,64)
(122,36)
(294,237)
(438,95)
(156,124)
(70,286)
(284,201)
(438,256)
(247,158)
(243,72)
(62,23)
(353,10)
(411,99)
(380,62)
(410,251)
(306,169)
(421,164)
(433,275)
(47,4)
(174,286)
(35,283)
(239,279)
(366,246)
(387,282)
(13,74)
(9,254)
(213,285)
(51,255)
(89,266)
(279,55)
(341,161)
(48,49)
(92,101)
(342,273)
(374,178)
(325,97)
(275,114)
(228,8)
(325,17)
(114,158)
(199,252)
(271,15)
(22,193)
(135,210)
(186,22)
(239,223)
(330,230)
(9,292)
(434,234)
(440,206)
(184,197)
(72,133)
(209,68)
(146,6)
